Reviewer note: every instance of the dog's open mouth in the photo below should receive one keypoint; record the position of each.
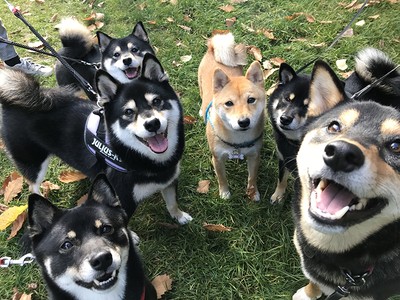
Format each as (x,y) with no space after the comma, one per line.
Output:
(103,282)
(157,143)
(132,73)
(334,204)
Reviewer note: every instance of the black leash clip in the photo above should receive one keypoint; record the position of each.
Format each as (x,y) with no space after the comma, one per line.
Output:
(351,281)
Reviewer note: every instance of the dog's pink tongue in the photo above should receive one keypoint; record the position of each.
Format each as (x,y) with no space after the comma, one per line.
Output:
(131,73)
(334,197)
(158,143)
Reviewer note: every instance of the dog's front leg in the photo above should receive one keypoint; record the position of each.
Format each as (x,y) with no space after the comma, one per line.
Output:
(253,163)
(281,185)
(310,292)
(219,167)
(169,195)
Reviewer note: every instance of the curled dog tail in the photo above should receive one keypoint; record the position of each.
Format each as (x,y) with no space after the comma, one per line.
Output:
(22,90)
(225,50)
(75,38)
(371,64)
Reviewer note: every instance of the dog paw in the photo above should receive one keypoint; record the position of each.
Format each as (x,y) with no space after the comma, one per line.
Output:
(184,218)
(276,198)
(253,194)
(225,195)
(301,295)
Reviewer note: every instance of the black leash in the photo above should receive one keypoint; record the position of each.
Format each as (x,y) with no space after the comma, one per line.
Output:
(338,36)
(79,61)
(86,85)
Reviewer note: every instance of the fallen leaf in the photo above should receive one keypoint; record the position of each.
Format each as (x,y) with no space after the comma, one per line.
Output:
(170,19)
(276,61)
(271,89)
(71,176)
(99,24)
(341,64)
(186,28)
(36,45)
(47,186)
(229,22)
(348,33)
(374,17)
(82,200)
(162,284)
(268,73)
(203,186)
(255,51)
(17,225)
(360,23)
(152,22)
(186,58)
(227,8)
(187,18)
(54,18)
(248,28)
(320,45)
(238,1)
(39,1)
(267,65)
(308,17)
(189,120)
(101,4)
(26,297)
(173,2)
(326,22)
(92,27)
(346,74)
(14,175)
(10,215)
(13,188)
(216,227)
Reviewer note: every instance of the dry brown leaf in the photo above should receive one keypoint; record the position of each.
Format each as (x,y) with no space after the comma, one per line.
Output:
(100,5)
(310,18)
(348,33)
(36,45)
(99,24)
(142,6)
(71,176)
(17,225)
(186,28)
(320,45)
(216,227)
(229,22)
(326,22)
(255,51)
(203,186)
(268,34)
(186,58)
(298,40)
(82,200)
(248,28)
(276,61)
(39,1)
(162,284)
(92,27)
(13,188)
(47,186)
(173,2)
(26,297)
(346,75)
(374,17)
(267,65)
(14,175)
(189,120)
(227,8)
(170,19)
(268,73)
(271,89)
(360,23)
(53,18)
(152,22)
(187,18)
(3,207)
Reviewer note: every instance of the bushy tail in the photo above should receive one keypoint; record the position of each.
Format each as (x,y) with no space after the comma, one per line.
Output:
(226,52)
(372,64)
(22,90)
(75,38)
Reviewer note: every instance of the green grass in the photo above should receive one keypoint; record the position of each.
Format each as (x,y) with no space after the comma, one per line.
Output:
(257,259)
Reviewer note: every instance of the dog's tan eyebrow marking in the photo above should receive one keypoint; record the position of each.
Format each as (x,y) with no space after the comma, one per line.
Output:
(390,127)
(349,116)
(130,104)
(292,96)
(306,101)
(150,97)
(98,223)
(71,234)
(130,45)
(117,49)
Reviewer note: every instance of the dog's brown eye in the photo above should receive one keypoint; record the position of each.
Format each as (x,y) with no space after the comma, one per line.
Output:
(106,229)
(66,245)
(251,100)
(134,50)
(229,103)
(395,147)
(128,112)
(116,54)
(334,127)
(157,102)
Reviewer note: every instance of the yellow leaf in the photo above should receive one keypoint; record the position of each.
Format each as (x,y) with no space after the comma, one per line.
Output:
(162,284)
(10,215)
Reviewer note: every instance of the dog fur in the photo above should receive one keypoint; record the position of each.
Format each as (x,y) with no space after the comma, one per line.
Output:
(143,123)
(233,106)
(120,57)
(87,252)
(347,213)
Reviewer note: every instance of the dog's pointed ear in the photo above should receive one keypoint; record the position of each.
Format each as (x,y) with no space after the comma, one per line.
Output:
(104,40)
(255,74)
(106,87)
(140,32)
(152,69)
(41,214)
(220,80)
(286,73)
(326,89)
(102,192)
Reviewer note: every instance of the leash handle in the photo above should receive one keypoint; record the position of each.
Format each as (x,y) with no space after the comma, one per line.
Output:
(6,261)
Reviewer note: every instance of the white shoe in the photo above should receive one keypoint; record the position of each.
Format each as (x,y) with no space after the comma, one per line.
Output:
(29,67)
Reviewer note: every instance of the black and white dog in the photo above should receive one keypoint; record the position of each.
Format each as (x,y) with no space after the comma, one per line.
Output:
(141,120)
(87,252)
(120,57)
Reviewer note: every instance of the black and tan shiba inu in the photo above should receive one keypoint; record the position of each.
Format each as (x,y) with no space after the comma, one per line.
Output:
(287,110)
(347,212)
(87,252)
(233,106)
(120,57)
(136,138)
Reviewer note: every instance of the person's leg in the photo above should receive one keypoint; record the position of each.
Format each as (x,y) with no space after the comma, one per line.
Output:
(7,52)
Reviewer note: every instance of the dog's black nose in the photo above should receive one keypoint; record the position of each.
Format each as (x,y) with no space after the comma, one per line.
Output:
(152,125)
(343,156)
(127,61)
(101,261)
(244,123)
(286,120)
